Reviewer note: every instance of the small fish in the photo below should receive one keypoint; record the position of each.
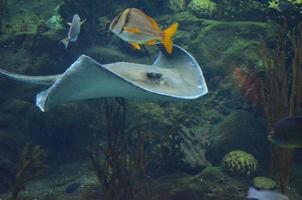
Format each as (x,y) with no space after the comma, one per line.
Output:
(74,30)
(137,28)
(287,132)
(265,195)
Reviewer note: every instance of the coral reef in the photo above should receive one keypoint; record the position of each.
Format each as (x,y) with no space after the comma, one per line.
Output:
(239,163)
(161,138)
(264,183)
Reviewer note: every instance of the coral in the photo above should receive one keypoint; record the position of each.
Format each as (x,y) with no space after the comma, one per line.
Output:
(56,21)
(202,8)
(239,163)
(241,10)
(31,166)
(177,5)
(119,163)
(264,183)
(282,88)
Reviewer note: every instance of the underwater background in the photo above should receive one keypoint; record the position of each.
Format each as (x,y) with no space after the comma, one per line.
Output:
(214,147)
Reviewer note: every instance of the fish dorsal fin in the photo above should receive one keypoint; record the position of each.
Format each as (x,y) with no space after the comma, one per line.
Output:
(154,24)
(135,45)
(82,22)
(69,23)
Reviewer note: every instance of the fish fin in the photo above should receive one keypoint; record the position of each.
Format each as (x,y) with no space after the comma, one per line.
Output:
(75,38)
(132,30)
(69,23)
(154,24)
(167,35)
(82,22)
(151,42)
(65,42)
(135,45)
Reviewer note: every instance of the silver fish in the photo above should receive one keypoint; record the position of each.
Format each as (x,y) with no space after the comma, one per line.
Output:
(137,28)
(265,195)
(74,30)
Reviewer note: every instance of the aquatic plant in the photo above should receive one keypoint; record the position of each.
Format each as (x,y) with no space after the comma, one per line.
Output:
(31,166)
(250,83)
(239,163)
(119,162)
(202,8)
(282,88)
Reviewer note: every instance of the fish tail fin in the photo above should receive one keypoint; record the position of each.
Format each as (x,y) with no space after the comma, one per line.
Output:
(65,42)
(167,36)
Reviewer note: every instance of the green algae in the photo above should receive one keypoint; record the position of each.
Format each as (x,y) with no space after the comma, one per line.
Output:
(264,183)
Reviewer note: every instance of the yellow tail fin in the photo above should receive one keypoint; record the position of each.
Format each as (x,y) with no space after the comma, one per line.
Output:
(167,37)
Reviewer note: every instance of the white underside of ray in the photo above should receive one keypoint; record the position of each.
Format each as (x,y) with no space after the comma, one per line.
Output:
(170,77)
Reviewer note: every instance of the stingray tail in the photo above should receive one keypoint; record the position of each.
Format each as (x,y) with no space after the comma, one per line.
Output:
(65,42)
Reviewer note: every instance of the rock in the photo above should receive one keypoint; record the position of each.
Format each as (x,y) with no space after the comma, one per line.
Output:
(238,130)
(239,10)
(213,184)
(264,183)
(239,163)
(72,187)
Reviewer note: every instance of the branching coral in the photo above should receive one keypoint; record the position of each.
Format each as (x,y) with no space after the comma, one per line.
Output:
(31,166)
(119,162)
(282,87)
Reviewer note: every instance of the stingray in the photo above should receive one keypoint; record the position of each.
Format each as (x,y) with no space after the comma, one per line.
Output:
(175,76)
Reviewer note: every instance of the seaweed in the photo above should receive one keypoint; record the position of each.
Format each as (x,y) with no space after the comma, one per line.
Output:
(282,88)
(119,163)
(31,166)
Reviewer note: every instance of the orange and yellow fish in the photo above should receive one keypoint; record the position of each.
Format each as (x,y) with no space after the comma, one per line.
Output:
(137,28)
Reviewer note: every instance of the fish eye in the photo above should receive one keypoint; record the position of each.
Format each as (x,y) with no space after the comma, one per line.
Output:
(114,22)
